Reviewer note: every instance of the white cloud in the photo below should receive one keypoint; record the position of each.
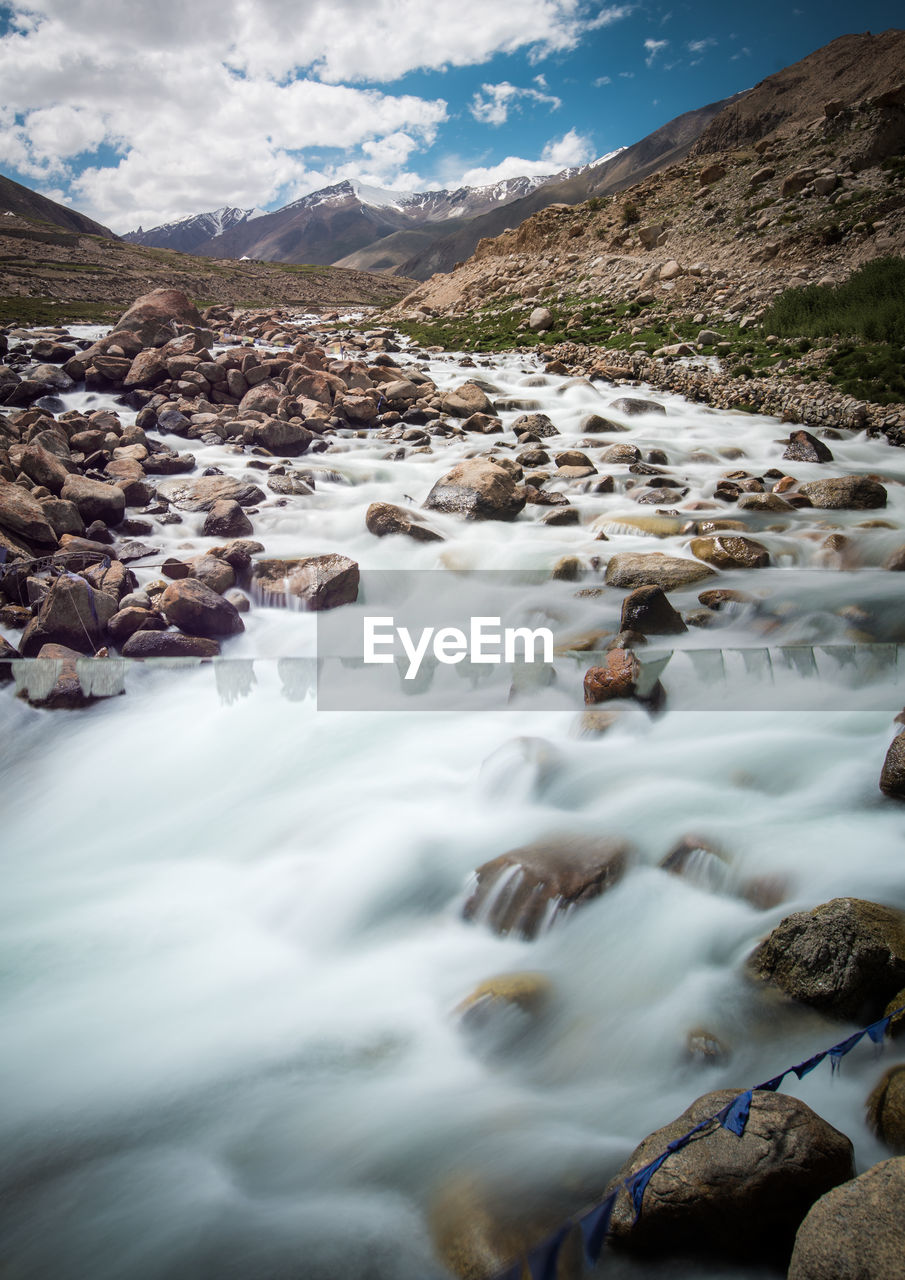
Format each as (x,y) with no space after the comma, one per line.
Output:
(559,153)
(700,46)
(653,47)
(494,101)
(602,80)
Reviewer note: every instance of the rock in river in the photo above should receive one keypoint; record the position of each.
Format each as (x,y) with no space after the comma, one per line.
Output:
(199,611)
(653,569)
(738,1197)
(479,490)
(854,493)
(383,518)
(856,1231)
(846,958)
(201,494)
(316,582)
(522,890)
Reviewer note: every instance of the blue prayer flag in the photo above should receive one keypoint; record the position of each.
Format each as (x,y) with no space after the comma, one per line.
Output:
(542,1261)
(804,1068)
(877,1030)
(735,1116)
(595,1227)
(838,1051)
(637,1183)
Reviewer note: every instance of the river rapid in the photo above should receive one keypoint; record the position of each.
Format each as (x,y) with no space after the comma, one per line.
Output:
(232,932)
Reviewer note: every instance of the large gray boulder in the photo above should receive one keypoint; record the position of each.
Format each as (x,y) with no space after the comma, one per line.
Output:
(478,490)
(846,958)
(856,1231)
(738,1197)
(855,493)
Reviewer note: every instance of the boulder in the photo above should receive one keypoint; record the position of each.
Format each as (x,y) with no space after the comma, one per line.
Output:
(711,173)
(226,519)
(803,447)
(215,573)
(741,1198)
(65,692)
(155,316)
(524,890)
(537,423)
(146,370)
(632,569)
(465,400)
(541,318)
(23,516)
(285,439)
(595,425)
(71,614)
(169,644)
(127,621)
(846,958)
(197,610)
(886,1108)
(315,582)
(856,1231)
(633,406)
(201,494)
(40,465)
(383,518)
(892,778)
(729,551)
(854,493)
(265,397)
(621,676)
(477,489)
(95,500)
(647,610)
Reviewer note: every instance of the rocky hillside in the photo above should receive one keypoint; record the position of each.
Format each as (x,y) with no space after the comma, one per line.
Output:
(50,274)
(18,201)
(818,190)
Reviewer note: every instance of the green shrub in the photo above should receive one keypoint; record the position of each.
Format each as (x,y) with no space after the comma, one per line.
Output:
(630,214)
(870,304)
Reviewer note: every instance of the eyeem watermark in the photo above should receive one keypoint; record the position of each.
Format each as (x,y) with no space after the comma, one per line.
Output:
(485,641)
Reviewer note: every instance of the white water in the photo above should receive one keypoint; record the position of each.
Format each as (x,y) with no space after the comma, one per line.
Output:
(231,926)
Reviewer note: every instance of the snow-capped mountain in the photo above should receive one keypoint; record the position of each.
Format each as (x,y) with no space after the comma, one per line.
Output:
(342,220)
(188,234)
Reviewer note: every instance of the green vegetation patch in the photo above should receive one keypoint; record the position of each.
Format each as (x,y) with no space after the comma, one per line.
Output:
(48,311)
(870,305)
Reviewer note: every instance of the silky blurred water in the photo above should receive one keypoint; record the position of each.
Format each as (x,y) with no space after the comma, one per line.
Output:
(232,939)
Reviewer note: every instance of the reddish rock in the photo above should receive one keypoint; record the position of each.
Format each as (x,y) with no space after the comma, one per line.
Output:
(199,611)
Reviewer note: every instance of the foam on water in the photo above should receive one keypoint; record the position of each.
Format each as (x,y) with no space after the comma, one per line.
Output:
(232,932)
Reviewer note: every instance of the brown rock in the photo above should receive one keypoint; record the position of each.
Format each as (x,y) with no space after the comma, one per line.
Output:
(647,610)
(201,494)
(155,316)
(383,518)
(654,569)
(542,879)
(738,1197)
(886,1108)
(318,582)
(95,500)
(23,516)
(729,551)
(853,493)
(846,958)
(40,465)
(618,679)
(65,691)
(226,519)
(803,447)
(127,621)
(199,611)
(856,1231)
(168,644)
(478,490)
(465,400)
(892,778)
(214,572)
(72,614)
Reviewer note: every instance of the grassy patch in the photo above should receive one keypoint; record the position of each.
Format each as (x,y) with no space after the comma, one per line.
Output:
(47,311)
(870,305)
(874,372)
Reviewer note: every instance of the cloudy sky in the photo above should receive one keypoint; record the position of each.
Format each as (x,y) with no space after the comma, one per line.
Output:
(141,111)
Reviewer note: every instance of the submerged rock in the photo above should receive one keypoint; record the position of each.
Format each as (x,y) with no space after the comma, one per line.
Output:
(846,958)
(741,1198)
(526,888)
(856,1231)
(729,551)
(384,518)
(654,569)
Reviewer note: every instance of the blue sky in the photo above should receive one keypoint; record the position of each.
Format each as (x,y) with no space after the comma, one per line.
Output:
(138,113)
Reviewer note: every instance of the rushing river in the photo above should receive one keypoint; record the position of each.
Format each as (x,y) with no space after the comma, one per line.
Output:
(232,939)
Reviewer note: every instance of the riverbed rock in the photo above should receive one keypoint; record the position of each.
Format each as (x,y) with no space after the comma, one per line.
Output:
(213,571)
(617,679)
(155,316)
(856,1231)
(803,447)
(892,778)
(730,551)
(522,891)
(198,611)
(538,424)
(634,406)
(465,400)
(200,494)
(226,519)
(94,499)
(846,958)
(647,610)
(384,518)
(852,493)
(632,569)
(169,644)
(22,516)
(540,319)
(71,614)
(316,582)
(43,467)
(886,1108)
(740,1198)
(65,693)
(127,621)
(477,489)
(284,439)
